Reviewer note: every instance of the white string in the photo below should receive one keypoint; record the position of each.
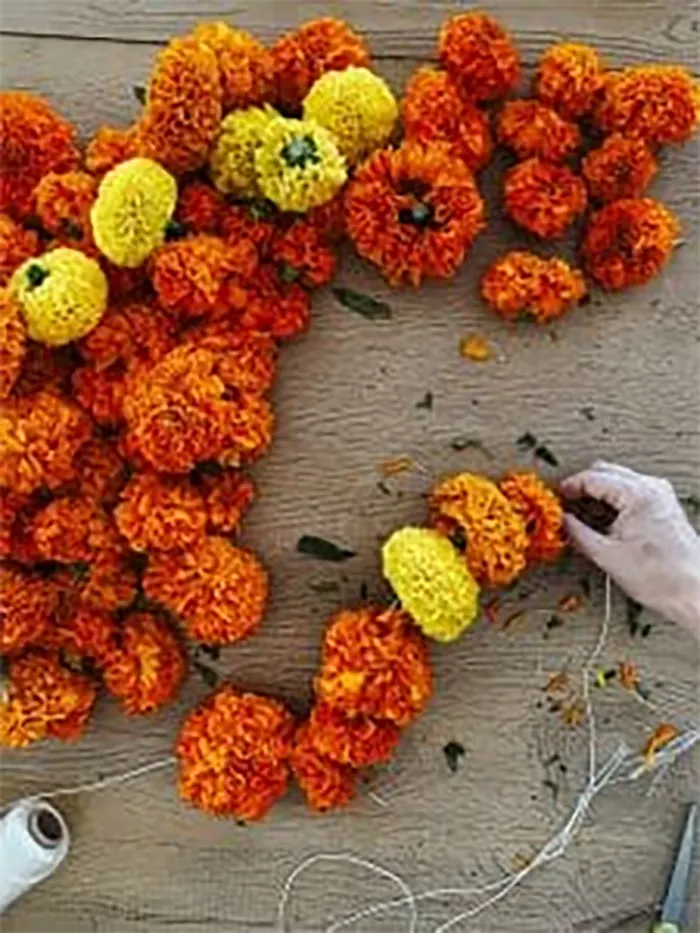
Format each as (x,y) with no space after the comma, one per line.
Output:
(352,860)
(110,781)
(621,767)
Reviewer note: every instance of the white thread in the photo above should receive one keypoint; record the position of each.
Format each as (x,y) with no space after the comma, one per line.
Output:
(351,859)
(621,767)
(110,781)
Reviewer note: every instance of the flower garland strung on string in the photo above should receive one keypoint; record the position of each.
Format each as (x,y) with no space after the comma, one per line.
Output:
(145,287)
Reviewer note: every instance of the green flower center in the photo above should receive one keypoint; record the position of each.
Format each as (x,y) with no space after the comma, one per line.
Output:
(35,275)
(419,214)
(174,230)
(288,273)
(300,152)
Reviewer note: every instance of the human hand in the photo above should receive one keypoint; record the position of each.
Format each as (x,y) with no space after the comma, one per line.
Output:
(651,549)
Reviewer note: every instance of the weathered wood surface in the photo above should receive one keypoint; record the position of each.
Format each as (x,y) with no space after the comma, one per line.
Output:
(346,400)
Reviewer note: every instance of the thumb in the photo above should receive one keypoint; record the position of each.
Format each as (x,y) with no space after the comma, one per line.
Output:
(594,546)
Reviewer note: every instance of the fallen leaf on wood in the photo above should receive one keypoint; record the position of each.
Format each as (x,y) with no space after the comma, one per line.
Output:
(573,714)
(426,403)
(476,348)
(371,308)
(557,683)
(321,549)
(628,675)
(569,603)
(453,751)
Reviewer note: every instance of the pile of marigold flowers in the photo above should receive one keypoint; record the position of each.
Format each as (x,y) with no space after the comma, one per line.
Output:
(147,281)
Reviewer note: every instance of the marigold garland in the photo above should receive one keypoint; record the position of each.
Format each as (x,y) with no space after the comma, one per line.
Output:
(233,750)
(179,296)
(414,212)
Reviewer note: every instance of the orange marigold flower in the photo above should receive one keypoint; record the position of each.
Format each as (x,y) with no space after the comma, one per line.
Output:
(132,332)
(218,591)
(146,667)
(45,369)
(480,55)
(248,359)
(34,140)
(660,737)
(569,78)
(301,57)
(109,147)
(253,222)
(227,496)
(63,202)
(100,472)
(531,128)
(108,583)
(329,218)
(541,511)
(83,633)
(183,108)
(233,750)
(352,739)
(414,212)
(434,110)
(620,168)
(470,508)
(39,437)
(522,282)
(200,208)
(375,663)
(68,530)
(628,242)
(657,103)
(244,63)
(45,700)
(280,309)
(182,412)
(160,513)
(12,506)
(101,392)
(302,255)
(544,198)
(202,274)
(325,783)
(26,609)
(13,343)
(16,246)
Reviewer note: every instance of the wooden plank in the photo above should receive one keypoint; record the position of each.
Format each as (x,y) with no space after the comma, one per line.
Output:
(346,399)
(401,28)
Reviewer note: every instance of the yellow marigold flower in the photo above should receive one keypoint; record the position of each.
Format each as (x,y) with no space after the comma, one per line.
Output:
(62,294)
(232,162)
(356,106)
(430,578)
(134,203)
(299,165)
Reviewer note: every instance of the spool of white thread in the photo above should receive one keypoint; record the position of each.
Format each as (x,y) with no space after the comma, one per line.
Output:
(34,840)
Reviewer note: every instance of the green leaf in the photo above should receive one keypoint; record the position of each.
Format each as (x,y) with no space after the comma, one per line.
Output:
(208,674)
(526,441)
(426,403)
(543,453)
(371,308)
(139,92)
(453,751)
(321,549)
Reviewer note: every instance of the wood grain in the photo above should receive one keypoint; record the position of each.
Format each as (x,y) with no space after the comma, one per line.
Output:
(346,400)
